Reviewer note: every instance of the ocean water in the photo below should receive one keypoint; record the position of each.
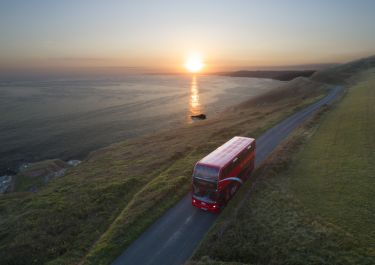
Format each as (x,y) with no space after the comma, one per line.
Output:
(69,118)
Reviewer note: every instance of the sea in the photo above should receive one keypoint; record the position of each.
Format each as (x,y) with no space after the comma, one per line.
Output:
(68,118)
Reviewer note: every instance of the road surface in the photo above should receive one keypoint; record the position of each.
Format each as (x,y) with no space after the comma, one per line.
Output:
(172,239)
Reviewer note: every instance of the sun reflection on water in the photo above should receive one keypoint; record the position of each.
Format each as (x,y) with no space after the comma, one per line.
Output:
(194,103)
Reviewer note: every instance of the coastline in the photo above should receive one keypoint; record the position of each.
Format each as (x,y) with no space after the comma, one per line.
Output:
(103,204)
(78,121)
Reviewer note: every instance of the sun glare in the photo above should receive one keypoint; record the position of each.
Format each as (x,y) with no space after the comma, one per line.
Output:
(194,63)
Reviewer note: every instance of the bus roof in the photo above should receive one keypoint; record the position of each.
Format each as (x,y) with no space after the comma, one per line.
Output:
(226,152)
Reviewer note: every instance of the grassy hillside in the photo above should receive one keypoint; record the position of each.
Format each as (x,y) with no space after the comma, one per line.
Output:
(343,74)
(103,204)
(312,202)
(277,75)
(38,174)
(339,165)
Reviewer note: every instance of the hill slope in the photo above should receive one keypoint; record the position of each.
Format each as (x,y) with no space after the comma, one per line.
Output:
(100,206)
(342,74)
(315,206)
(104,203)
(277,75)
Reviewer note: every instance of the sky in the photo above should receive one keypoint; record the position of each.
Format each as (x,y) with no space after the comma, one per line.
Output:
(159,34)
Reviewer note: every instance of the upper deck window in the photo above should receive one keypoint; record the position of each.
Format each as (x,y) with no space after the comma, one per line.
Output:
(206,173)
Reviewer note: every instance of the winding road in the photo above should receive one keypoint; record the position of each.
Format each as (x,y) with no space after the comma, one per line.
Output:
(172,239)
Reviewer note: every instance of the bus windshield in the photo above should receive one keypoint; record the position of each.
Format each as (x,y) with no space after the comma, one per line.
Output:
(206,173)
(204,190)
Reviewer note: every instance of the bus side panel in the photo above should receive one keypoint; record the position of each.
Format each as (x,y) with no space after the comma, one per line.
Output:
(248,165)
(242,171)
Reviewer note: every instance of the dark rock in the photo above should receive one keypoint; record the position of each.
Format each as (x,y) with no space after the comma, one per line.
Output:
(199,117)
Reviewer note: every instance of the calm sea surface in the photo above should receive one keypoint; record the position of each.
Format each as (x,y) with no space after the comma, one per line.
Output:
(69,118)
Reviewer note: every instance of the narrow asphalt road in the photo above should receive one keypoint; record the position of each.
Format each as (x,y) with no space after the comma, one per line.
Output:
(173,237)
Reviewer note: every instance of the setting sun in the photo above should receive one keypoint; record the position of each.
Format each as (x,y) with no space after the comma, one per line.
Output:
(194,63)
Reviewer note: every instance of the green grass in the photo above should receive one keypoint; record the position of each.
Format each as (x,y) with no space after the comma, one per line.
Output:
(91,214)
(313,201)
(339,165)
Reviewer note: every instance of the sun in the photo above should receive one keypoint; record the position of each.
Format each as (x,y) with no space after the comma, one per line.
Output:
(194,63)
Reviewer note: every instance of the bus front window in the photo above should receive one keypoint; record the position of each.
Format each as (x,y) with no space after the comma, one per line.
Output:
(204,190)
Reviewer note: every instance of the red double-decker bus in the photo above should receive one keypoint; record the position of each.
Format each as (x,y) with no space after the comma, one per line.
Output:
(218,176)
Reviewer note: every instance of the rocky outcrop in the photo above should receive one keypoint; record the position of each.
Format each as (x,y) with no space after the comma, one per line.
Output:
(5,183)
(32,176)
(199,117)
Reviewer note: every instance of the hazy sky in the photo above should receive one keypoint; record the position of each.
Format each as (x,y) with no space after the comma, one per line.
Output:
(159,34)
